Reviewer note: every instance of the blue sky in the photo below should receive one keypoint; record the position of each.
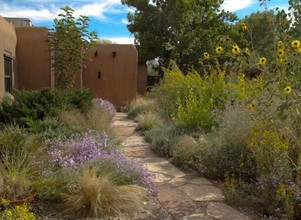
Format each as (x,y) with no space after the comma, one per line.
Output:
(108,17)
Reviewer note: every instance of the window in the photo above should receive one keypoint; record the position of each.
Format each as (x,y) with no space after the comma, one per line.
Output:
(8,73)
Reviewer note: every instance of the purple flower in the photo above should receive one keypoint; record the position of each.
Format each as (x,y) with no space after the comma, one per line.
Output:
(106,105)
(92,147)
(78,149)
(132,170)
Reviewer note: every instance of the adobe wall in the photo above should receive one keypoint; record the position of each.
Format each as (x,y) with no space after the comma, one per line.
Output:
(112,73)
(142,79)
(8,42)
(33,52)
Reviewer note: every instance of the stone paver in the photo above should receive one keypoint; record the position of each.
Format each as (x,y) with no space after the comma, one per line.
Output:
(139,152)
(176,202)
(200,181)
(202,193)
(184,197)
(197,217)
(224,212)
(160,165)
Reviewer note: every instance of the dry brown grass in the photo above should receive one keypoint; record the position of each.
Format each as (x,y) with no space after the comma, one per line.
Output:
(148,120)
(95,119)
(141,105)
(97,197)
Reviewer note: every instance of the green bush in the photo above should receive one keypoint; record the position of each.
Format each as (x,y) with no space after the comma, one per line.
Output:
(39,104)
(78,99)
(17,148)
(227,151)
(195,111)
(185,152)
(51,185)
(191,97)
(162,139)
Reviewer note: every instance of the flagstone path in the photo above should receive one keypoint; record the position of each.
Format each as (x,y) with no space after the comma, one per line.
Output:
(181,196)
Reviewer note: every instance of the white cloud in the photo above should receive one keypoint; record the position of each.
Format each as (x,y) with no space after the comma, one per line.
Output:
(124,21)
(24,12)
(94,10)
(235,5)
(47,10)
(121,40)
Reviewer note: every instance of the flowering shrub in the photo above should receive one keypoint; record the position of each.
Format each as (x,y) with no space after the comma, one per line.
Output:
(130,171)
(91,146)
(78,149)
(106,105)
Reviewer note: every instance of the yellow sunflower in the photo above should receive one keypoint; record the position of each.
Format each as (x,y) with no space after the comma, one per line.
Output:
(288,90)
(295,44)
(244,26)
(235,50)
(219,50)
(206,55)
(280,53)
(262,60)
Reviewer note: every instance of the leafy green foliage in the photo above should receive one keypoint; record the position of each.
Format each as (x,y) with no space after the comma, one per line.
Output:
(159,35)
(260,29)
(30,107)
(71,42)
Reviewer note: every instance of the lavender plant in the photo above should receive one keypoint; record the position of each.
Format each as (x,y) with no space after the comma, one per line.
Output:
(92,148)
(80,148)
(106,105)
(130,171)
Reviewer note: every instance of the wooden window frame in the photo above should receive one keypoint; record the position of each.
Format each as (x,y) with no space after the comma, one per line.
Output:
(8,72)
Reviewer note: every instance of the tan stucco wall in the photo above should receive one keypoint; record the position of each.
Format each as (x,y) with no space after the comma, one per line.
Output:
(33,56)
(142,79)
(8,42)
(118,82)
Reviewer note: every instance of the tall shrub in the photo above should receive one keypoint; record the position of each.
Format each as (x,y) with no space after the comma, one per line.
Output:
(71,43)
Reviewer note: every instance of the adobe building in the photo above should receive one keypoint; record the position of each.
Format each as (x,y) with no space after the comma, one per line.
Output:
(111,73)
(8,43)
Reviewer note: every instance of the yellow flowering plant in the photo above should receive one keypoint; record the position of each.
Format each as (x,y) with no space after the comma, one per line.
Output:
(235,50)
(19,212)
(219,50)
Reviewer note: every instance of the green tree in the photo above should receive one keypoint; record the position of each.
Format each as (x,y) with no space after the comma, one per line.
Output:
(260,34)
(104,41)
(71,42)
(179,30)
